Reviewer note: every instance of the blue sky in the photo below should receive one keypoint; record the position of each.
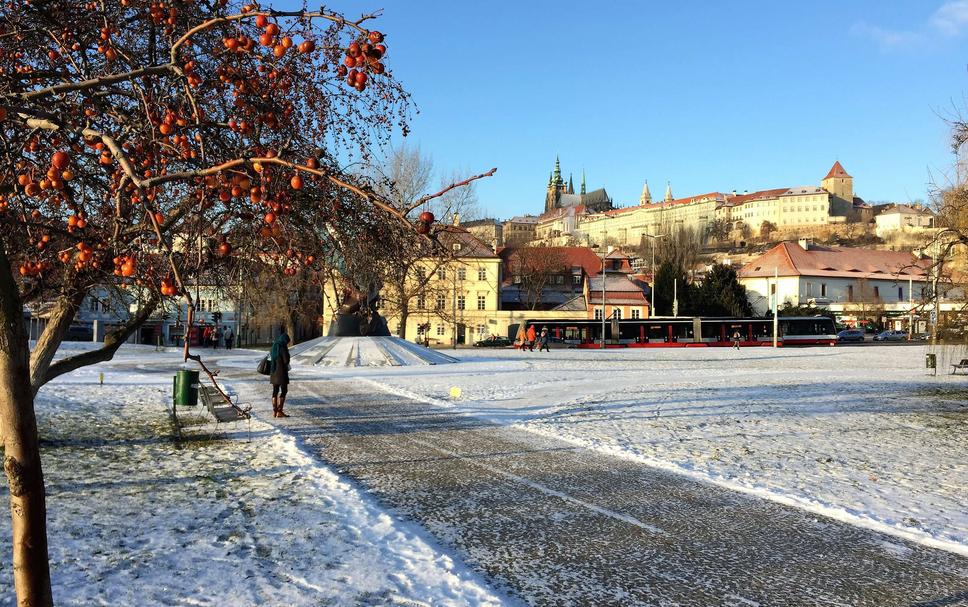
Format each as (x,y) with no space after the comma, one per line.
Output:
(712,96)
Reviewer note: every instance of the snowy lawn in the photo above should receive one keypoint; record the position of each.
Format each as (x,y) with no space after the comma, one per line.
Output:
(136,519)
(861,434)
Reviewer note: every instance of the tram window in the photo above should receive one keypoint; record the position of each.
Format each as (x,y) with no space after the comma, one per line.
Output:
(710,330)
(681,331)
(657,333)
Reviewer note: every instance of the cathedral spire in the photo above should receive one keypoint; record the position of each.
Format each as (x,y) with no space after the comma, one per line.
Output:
(583,181)
(550,181)
(668,194)
(571,185)
(646,197)
(557,173)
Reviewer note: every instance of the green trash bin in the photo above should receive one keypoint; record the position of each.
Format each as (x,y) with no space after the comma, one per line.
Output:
(185,388)
(930,361)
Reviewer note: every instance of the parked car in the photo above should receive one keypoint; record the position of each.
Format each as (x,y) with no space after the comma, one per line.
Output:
(494,341)
(891,336)
(851,335)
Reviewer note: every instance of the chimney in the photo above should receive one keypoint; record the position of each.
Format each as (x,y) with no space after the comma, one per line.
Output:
(457,219)
(804,243)
(734,192)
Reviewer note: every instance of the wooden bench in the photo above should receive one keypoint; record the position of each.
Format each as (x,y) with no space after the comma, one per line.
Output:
(220,410)
(962,366)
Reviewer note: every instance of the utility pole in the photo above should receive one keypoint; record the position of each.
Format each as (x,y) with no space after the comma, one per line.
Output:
(605,253)
(454,309)
(776,296)
(675,297)
(653,237)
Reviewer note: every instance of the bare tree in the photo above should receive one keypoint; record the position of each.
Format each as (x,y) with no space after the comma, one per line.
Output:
(405,179)
(534,268)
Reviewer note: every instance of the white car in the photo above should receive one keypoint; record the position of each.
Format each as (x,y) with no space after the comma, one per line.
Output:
(891,336)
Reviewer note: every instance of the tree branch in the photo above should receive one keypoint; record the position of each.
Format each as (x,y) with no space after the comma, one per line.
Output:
(428,197)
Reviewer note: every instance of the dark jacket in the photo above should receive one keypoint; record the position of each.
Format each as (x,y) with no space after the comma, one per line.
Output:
(280,367)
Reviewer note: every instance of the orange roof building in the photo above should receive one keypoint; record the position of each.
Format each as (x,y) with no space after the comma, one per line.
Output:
(840,278)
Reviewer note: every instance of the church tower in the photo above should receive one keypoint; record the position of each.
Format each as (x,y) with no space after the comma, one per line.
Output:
(839,183)
(646,197)
(556,187)
(668,194)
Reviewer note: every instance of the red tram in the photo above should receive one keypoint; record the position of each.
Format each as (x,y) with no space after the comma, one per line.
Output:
(688,332)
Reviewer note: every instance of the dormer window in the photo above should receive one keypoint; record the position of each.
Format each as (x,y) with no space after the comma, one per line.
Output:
(456,246)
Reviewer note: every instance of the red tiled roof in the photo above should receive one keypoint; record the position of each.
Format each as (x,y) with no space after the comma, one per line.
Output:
(789,259)
(837,171)
(471,246)
(742,198)
(585,258)
(708,196)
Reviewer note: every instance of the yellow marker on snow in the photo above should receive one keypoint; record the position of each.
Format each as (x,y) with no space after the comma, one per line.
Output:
(455,392)
(100,378)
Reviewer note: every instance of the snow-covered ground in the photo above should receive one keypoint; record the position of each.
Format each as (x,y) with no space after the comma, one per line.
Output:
(245,519)
(861,434)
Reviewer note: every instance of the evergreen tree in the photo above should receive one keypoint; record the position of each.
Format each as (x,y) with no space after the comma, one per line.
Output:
(671,279)
(721,294)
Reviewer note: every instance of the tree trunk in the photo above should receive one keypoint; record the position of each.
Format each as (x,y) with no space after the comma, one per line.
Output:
(28,507)
(58,323)
(291,324)
(404,315)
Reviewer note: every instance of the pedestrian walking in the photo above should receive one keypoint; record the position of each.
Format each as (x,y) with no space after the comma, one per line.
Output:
(279,375)
(736,340)
(543,340)
(520,341)
(531,337)
(229,338)
(217,338)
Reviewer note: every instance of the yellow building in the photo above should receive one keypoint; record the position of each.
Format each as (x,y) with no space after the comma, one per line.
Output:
(785,208)
(626,226)
(452,299)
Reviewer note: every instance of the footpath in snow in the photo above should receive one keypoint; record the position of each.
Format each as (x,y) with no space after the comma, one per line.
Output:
(135,518)
(860,434)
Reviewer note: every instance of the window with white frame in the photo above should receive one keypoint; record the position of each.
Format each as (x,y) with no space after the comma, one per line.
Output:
(481,274)
(636,313)
(440,329)
(481,302)
(461,273)
(440,303)
(576,279)
(598,313)
(441,273)
(617,313)
(461,302)
(421,302)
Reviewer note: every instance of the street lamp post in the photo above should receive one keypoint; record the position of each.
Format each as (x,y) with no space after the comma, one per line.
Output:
(605,252)
(604,255)
(653,237)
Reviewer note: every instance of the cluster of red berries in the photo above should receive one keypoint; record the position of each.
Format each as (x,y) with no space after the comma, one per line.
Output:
(424,222)
(168,287)
(360,57)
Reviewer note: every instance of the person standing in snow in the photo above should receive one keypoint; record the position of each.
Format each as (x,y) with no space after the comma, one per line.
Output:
(520,341)
(531,337)
(543,340)
(736,340)
(229,338)
(279,375)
